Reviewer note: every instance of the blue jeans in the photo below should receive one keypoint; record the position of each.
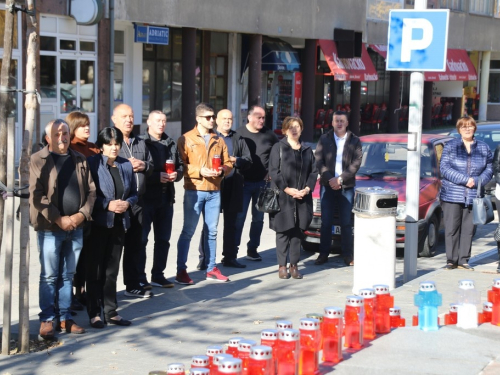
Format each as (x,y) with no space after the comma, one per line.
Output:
(159,214)
(251,192)
(195,204)
(59,253)
(343,200)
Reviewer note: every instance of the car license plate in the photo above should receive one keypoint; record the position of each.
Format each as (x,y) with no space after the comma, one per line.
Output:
(336,229)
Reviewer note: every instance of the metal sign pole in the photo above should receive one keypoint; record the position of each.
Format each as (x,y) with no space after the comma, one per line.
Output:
(413,168)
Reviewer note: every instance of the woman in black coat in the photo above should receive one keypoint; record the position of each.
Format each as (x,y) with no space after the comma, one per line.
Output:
(293,171)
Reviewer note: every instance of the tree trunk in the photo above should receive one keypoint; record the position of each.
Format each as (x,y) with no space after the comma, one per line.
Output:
(31,106)
(6,106)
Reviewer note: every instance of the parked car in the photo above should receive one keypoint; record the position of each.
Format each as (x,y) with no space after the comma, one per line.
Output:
(384,164)
(67,99)
(490,134)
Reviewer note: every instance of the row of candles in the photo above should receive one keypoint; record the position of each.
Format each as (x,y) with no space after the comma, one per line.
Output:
(288,351)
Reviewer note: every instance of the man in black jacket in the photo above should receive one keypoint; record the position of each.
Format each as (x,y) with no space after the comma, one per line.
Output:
(134,257)
(231,190)
(160,195)
(338,157)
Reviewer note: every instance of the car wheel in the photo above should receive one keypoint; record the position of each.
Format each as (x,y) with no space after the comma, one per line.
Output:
(427,247)
(310,247)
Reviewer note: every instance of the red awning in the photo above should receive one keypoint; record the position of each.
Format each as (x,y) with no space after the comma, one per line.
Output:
(355,69)
(458,68)
(458,65)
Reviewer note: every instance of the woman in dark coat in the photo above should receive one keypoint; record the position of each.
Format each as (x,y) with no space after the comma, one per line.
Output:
(465,164)
(116,192)
(293,171)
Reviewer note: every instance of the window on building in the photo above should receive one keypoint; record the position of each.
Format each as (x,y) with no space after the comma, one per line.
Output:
(118,85)
(458,5)
(483,7)
(494,87)
(2,30)
(162,76)
(496,12)
(119,42)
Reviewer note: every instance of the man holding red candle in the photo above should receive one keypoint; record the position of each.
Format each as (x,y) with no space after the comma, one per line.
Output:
(160,194)
(198,148)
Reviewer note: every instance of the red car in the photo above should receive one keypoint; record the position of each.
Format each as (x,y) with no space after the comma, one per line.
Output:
(384,164)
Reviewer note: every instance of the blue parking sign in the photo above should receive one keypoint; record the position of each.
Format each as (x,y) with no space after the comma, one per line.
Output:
(417,40)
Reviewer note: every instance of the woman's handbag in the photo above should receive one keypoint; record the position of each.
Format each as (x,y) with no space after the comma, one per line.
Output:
(482,208)
(496,234)
(268,198)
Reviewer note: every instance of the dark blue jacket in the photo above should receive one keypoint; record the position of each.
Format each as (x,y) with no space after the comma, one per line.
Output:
(105,189)
(457,166)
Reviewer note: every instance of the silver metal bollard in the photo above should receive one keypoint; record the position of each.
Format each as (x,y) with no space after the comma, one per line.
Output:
(374,237)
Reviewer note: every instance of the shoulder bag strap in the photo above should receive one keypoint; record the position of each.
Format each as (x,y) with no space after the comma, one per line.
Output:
(478,192)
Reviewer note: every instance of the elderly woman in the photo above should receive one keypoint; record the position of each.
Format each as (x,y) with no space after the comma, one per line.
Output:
(293,171)
(465,163)
(79,127)
(116,192)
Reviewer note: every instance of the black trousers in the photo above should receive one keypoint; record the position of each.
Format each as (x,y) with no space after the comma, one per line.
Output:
(134,254)
(288,245)
(102,266)
(458,230)
(79,277)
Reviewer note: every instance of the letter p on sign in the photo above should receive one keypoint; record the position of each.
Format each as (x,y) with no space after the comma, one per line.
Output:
(417,40)
(409,44)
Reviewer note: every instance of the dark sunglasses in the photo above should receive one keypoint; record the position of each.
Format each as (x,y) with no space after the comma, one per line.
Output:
(208,117)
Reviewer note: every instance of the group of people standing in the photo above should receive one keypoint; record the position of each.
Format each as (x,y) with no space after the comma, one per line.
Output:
(88,203)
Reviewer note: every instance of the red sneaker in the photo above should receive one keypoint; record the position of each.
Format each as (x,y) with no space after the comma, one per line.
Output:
(216,275)
(183,278)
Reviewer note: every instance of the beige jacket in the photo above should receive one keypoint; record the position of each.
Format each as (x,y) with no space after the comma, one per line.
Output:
(44,189)
(195,156)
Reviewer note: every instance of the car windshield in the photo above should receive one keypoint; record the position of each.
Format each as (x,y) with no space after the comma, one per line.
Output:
(390,159)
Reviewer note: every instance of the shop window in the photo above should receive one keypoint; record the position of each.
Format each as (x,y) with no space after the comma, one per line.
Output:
(48,43)
(2,30)
(67,85)
(458,5)
(379,9)
(119,42)
(162,77)
(218,79)
(494,64)
(69,45)
(118,84)
(87,46)
(47,71)
(494,88)
(483,7)
(87,74)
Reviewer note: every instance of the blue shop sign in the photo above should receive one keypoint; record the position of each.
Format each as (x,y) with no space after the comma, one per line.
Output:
(151,34)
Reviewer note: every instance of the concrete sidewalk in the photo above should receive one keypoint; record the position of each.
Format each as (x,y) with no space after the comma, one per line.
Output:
(181,322)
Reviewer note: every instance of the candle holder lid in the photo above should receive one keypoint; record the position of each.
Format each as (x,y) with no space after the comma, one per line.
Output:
(355,301)
(284,324)
(315,316)
(427,286)
(367,293)
(466,284)
(175,367)
(333,312)
(234,341)
(496,283)
(200,360)
(199,371)
(454,307)
(309,324)
(214,349)
(246,345)
(261,352)
(219,357)
(289,335)
(395,311)
(487,306)
(230,365)
(269,334)
(381,289)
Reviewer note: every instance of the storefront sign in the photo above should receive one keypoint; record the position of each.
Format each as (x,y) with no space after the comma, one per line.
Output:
(151,34)
(450,89)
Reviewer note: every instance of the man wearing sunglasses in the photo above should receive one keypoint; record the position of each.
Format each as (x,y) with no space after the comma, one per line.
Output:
(200,149)
(338,157)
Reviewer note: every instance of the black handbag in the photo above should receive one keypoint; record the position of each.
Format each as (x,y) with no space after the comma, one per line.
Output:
(482,208)
(268,198)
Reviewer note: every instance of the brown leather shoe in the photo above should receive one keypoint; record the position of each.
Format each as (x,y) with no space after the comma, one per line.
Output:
(294,271)
(283,273)
(70,326)
(47,330)
(322,259)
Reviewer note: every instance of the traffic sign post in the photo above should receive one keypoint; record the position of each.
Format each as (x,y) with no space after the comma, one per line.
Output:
(417,41)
